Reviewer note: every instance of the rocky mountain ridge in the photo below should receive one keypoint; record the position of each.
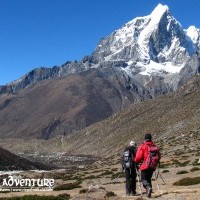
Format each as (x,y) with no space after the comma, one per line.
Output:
(154,51)
(148,57)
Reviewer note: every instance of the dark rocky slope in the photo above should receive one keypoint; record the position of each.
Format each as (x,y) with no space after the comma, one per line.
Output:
(10,161)
(64,105)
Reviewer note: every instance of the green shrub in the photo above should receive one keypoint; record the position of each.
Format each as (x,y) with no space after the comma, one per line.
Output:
(165,171)
(195,169)
(67,186)
(187,181)
(58,175)
(195,163)
(64,196)
(184,156)
(164,165)
(83,191)
(90,177)
(182,172)
(197,154)
(110,194)
(78,178)
(184,163)
(68,177)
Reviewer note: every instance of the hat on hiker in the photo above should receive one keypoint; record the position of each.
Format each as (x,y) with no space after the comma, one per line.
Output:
(147,137)
(132,143)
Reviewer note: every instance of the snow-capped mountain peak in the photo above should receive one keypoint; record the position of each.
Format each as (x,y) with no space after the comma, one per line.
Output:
(155,46)
(149,42)
(152,25)
(159,11)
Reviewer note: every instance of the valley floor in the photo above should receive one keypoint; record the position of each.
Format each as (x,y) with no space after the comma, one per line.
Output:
(96,184)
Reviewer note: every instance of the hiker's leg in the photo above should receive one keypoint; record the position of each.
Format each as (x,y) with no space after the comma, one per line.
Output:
(127,173)
(133,185)
(147,181)
(149,176)
(144,178)
(126,184)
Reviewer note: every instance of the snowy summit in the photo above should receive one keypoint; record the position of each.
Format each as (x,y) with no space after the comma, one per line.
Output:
(153,53)
(156,43)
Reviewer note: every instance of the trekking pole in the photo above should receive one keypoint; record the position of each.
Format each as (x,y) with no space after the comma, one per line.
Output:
(156,178)
(138,177)
(161,176)
(162,179)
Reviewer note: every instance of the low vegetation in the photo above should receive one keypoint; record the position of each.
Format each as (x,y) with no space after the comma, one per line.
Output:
(164,165)
(110,194)
(188,181)
(195,169)
(57,175)
(68,186)
(90,177)
(196,162)
(83,191)
(165,171)
(182,172)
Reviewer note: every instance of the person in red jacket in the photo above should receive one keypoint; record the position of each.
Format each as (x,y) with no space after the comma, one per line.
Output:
(142,156)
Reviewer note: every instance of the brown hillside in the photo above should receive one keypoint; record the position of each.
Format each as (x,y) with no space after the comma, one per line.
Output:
(172,115)
(168,116)
(62,105)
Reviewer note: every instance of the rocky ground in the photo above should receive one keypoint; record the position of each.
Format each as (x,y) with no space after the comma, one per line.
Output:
(96,184)
(104,179)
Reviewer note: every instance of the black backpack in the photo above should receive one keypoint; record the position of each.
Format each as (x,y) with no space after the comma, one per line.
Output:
(128,157)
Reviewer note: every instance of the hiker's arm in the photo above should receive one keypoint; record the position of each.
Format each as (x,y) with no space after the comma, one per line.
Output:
(139,155)
(122,163)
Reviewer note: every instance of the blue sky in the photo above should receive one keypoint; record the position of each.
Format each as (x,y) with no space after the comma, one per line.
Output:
(35,33)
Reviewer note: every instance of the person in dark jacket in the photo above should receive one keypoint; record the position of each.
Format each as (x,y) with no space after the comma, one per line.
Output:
(141,157)
(130,171)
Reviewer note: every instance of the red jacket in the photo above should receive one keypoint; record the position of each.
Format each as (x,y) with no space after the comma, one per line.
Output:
(142,153)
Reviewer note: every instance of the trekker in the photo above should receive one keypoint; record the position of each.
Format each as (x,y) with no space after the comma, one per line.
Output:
(129,166)
(149,156)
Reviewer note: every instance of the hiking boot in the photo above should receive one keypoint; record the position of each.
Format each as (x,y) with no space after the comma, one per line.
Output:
(149,191)
(133,193)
